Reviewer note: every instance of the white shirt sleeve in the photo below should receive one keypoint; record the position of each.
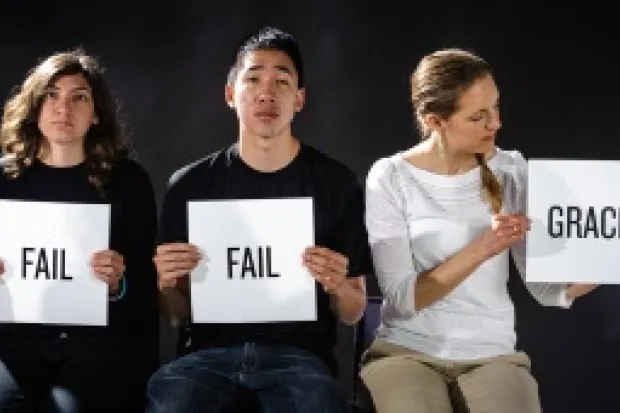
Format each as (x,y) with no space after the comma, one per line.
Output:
(547,294)
(389,238)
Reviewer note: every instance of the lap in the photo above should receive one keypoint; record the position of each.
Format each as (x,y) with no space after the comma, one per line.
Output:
(504,383)
(24,373)
(296,381)
(231,379)
(97,376)
(62,374)
(401,383)
(199,381)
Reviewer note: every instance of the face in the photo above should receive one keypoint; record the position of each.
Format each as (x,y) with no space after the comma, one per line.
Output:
(473,127)
(265,94)
(67,111)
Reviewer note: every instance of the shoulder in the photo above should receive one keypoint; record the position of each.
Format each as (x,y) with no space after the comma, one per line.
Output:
(131,170)
(196,171)
(330,168)
(382,172)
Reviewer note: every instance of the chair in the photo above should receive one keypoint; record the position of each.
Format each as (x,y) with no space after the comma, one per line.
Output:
(364,334)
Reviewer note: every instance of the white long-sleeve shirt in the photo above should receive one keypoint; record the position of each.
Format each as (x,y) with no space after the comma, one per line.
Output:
(416,220)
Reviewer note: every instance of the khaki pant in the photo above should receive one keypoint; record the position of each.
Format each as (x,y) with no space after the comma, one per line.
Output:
(404,381)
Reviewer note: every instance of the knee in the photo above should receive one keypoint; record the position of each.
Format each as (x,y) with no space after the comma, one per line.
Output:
(501,384)
(163,379)
(397,384)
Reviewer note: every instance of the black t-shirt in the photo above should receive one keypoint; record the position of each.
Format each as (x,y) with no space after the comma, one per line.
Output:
(133,228)
(339,225)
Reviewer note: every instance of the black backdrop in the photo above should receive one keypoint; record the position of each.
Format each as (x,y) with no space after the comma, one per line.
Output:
(556,70)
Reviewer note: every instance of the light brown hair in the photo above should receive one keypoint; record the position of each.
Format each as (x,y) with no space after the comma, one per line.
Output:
(437,84)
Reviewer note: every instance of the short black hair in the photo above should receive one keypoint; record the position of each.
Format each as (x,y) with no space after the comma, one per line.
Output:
(269,38)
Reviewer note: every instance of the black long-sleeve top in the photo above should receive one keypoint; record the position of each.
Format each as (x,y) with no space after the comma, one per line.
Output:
(133,223)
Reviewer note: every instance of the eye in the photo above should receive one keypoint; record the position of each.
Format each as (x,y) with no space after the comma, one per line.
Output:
(51,94)
(284,82)
(251,79)
(81,98)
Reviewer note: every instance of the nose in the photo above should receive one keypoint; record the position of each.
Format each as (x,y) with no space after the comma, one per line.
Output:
(62,105)
(494,123)
(266,96)
(267,91)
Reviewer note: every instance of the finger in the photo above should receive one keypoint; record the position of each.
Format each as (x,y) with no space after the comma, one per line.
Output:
(117,259)
(105,254)
(317,270)
(332,266)
(172,275)
(326,268)
(326,252)
(177,256)
(328,279)
(186,266)
(104,270)
(176,247)
(101,260)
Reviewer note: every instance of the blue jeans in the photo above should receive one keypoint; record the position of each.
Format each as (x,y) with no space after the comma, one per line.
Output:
(247,378)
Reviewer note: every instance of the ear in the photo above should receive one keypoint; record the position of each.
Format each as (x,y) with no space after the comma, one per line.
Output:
(300,99)
(433,122)
(229,96)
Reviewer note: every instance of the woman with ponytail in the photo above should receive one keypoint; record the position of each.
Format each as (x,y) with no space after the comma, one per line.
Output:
(442,218)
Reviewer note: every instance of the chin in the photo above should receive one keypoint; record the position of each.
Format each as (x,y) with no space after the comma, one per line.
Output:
(486,148)
(64,140)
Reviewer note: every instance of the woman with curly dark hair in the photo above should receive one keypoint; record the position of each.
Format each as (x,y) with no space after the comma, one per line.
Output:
(62,142)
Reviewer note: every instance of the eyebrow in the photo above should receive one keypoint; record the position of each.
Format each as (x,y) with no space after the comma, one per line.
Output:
(75,89)
(281,68)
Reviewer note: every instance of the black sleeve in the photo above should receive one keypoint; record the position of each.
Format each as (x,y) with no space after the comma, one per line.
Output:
(138,309)
(350,237)
(173,218)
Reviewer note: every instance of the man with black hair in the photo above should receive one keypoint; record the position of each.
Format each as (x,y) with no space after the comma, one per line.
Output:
(277,367)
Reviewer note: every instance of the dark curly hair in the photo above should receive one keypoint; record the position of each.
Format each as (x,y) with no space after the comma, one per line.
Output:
(106,143)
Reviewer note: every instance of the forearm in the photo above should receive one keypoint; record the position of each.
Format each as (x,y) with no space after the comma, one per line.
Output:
(432,285)
(349,303)
(176,302)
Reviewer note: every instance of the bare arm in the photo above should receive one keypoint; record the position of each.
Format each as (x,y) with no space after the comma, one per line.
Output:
(349,301)
(330,269)
(174,262)
(176,302)
(433,285)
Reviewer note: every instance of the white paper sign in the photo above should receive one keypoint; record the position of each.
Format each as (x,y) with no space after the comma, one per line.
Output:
(575,210)
(46,249)
(253,271)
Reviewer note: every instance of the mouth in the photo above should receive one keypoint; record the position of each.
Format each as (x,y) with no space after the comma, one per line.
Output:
(267,115)
(63,124)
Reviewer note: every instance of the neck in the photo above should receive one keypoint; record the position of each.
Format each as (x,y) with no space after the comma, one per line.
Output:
(62,156)
(450,162)
(268,154)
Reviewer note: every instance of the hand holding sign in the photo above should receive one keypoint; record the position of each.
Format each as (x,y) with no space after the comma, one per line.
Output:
(505,230)
(174,261)
(328,267)
(109,266)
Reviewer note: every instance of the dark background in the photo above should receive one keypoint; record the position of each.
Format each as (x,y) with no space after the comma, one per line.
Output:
(555,67)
